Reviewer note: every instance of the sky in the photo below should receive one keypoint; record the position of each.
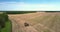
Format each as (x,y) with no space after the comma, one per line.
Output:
(30,5)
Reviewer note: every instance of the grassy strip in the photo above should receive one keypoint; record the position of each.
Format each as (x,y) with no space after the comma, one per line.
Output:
(7,27)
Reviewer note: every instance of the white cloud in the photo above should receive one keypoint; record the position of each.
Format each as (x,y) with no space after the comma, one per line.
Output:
(24,6)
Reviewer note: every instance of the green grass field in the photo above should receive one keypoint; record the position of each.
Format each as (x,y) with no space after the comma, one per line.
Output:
(7,27)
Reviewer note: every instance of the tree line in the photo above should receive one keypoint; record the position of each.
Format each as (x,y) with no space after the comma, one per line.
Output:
(3,19)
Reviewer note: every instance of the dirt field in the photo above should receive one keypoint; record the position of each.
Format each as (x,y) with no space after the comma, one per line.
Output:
(38,22)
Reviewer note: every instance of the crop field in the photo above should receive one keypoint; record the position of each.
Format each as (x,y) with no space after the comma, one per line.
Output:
(38,22)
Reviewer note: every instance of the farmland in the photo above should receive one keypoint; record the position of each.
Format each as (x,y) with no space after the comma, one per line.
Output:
(38,22)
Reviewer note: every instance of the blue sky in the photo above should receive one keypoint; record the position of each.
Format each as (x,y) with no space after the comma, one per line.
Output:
(29,4)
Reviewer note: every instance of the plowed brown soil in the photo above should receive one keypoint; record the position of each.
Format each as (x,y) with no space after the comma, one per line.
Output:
(38,22)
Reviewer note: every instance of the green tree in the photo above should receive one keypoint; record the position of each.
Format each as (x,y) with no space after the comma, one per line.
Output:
(3,19)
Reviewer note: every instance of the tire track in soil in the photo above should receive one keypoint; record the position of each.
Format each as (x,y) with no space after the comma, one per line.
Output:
(57,23)
(46,15)
(42,25)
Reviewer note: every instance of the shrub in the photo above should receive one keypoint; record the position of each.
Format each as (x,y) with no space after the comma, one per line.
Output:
(3,19)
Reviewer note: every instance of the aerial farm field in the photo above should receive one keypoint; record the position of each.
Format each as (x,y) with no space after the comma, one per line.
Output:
(37,22)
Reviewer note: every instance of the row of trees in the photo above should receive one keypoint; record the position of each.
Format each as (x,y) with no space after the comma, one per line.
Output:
(52,11)
(3,19)
(19,12)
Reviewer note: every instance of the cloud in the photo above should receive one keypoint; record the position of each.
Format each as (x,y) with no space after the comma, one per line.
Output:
(25,6)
